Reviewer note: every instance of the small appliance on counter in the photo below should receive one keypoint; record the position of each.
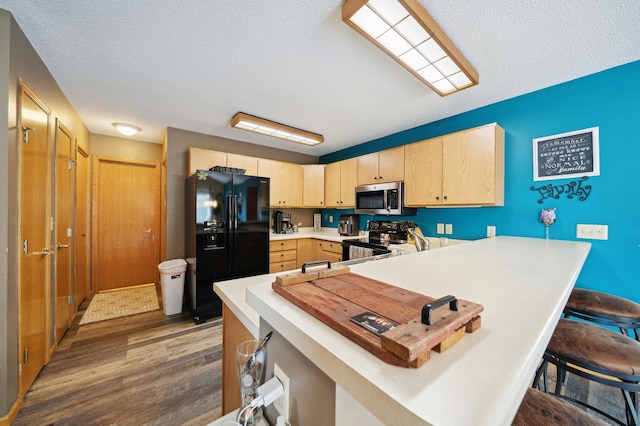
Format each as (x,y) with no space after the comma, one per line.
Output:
(349,225)
(282,222)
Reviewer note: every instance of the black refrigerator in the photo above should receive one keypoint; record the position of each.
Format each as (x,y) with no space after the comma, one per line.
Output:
(227,221)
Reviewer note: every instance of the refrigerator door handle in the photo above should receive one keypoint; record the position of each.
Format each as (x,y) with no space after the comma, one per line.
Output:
(235,212)
(230,212)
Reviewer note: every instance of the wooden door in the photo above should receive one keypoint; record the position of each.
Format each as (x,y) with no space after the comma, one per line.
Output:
(391,165)
(204,159)
(423,173)
(332,185)
(34,207)
(469,166)
(82,228)
(368,169)
(272,170)
(125,223)
(348,182)
(292,181)
(313,191)
(249,164)
(64,230)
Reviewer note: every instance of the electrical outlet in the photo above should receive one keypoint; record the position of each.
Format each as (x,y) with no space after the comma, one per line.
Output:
(448,229)
(592,232)
(282,403)
(491,231)
(330,219)
(440,228)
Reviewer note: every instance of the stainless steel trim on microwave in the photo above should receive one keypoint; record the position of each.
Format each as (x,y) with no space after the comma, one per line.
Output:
(383,198)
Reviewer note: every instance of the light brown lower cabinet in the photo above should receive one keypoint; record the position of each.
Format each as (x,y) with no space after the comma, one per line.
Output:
(233,333)
(282,255)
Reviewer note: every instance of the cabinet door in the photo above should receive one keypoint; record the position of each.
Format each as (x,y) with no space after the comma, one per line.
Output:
(332,185)
(313,190)
(292,179)
(367,166)
(272,170)
(348,182)
(306,251)
(423,173)
(204,159)
(469,167)
(250,164)
(391,165)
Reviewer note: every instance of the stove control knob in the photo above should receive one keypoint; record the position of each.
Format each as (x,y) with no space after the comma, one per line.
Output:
(404,226)
(373,225)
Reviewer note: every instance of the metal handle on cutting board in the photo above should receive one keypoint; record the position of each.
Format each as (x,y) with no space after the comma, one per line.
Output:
(315,262)
(429,307)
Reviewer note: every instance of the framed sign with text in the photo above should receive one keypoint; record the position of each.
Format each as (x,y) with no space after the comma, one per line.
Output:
(567,155)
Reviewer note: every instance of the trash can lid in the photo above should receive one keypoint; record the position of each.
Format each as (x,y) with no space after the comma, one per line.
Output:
(172,264)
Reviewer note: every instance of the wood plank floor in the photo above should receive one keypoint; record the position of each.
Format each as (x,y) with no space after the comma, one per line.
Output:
(144,369)
(150,369)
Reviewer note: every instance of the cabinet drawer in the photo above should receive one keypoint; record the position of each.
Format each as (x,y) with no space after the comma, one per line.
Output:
(283,245)
(331,246)
(281,256)
(331,256)
(282,266)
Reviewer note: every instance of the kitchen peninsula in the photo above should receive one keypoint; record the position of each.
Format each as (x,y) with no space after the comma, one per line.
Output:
(523,284)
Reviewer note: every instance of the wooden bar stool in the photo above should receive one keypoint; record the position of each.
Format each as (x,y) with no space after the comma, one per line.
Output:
(597,354)
(541,409)
(605,309)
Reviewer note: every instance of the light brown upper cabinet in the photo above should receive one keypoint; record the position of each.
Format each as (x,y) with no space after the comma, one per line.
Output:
(249,164)
(313,190)
(380,167)
(463,168)
(286,182)
(204,159)
(340,183)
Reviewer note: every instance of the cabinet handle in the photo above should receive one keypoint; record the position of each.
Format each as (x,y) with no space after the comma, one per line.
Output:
(445,197)
(438,197)
(380,177)
(375,178)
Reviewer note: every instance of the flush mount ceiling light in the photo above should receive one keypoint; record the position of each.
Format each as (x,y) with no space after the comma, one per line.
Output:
(126,129)
(407,33)
(271,128)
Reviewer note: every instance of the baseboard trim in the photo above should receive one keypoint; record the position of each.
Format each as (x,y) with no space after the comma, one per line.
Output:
(13,413)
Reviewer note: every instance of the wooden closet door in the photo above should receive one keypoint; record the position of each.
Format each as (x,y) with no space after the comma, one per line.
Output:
(34,207)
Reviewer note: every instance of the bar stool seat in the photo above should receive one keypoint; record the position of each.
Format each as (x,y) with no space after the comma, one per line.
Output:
(598,354)
(604,309)
(541,409)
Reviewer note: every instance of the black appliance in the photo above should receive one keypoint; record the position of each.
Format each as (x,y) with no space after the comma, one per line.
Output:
(226,231)
(382,233)
(282,222)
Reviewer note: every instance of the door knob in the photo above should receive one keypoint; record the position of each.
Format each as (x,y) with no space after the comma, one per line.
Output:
(148,231)
(63,246)
(46,252)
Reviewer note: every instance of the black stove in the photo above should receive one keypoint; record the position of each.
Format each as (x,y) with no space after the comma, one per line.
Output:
(382,234)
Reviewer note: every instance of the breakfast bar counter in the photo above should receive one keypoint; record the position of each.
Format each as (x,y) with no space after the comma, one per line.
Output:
(523,284)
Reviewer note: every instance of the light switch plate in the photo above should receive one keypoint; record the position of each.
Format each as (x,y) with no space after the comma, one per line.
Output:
(440,228)
(448,229)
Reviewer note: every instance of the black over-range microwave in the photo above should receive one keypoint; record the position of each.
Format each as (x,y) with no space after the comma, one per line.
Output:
(382,198)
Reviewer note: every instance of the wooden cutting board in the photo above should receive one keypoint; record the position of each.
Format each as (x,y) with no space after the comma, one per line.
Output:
(334,297)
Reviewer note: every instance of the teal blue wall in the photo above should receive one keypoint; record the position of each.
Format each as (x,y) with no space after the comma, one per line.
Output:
(609,100)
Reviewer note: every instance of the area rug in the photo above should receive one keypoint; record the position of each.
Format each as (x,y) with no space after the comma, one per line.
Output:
(122,302)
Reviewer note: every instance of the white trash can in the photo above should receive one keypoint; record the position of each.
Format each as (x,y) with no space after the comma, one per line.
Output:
(191,281)
(172,274)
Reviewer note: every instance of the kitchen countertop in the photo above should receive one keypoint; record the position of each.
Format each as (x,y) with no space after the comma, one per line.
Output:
(523,284)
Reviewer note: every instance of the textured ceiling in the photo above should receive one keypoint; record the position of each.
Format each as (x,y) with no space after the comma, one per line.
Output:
(193,64)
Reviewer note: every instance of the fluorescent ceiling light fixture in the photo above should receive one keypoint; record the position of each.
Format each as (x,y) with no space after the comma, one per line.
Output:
(271,128)
(405,31)
(126,129)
